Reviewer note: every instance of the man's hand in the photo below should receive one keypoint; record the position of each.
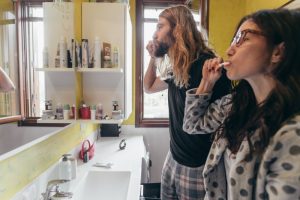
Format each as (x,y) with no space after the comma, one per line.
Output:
(150,48)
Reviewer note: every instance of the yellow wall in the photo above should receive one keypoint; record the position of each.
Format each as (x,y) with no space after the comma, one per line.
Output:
(19,170)
(253,5)
(6,5)
(224,16)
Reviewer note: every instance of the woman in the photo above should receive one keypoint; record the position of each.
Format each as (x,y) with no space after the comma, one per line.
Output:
(256,149)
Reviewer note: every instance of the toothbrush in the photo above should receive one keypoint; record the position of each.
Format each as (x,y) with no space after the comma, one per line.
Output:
(223,64)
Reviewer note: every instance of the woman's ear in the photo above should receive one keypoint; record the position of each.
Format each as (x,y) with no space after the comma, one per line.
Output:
(278,53)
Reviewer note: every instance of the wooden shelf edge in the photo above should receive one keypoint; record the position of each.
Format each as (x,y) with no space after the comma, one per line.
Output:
(58,121)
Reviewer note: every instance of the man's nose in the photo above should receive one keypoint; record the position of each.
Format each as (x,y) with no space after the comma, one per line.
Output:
(154,36)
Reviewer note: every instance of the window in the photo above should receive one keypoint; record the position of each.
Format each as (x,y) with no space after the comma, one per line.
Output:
(32,41)
(151,109)
(155,105)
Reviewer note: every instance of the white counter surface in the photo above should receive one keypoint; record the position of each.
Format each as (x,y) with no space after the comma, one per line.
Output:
(107,151)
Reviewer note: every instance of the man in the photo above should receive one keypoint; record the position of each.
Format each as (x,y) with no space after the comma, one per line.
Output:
(5,82)
(178,39)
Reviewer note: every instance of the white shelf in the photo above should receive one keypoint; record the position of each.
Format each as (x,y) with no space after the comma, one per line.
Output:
(62,121)
(52,69)
(104,70)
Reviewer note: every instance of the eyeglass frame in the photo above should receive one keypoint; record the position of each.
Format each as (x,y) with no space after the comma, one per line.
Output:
(239,38)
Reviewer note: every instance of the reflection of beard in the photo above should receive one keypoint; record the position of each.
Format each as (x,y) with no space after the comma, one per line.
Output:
(161,48)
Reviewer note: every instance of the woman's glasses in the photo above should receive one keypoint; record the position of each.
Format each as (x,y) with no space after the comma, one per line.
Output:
(239,38)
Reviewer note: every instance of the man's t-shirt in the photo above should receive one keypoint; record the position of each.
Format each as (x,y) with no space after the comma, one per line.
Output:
(186,149)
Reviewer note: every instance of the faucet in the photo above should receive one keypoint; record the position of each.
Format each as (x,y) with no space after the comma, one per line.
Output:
(55,183)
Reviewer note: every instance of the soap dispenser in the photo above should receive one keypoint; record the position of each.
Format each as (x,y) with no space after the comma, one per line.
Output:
(65,168)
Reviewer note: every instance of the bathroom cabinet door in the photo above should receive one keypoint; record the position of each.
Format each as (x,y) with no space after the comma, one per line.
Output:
(59,83)
(110,22)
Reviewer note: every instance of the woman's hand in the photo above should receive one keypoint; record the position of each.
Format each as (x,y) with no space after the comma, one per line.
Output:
(211,72)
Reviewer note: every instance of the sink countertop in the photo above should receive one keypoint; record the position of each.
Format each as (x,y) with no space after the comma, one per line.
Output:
(129,159)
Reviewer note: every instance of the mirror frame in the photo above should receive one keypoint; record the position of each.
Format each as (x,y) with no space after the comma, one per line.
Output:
(204,14)
(288,4)
(15,118)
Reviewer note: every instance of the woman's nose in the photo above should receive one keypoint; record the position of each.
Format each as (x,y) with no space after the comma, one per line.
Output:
(230,50)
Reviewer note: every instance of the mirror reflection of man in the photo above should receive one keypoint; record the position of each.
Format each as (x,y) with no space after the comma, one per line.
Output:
(177,38)
(6,83)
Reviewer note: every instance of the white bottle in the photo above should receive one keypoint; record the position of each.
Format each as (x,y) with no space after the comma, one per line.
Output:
(97,53)
(45,57)
(63,52)
(65,168)
(84,53)
(116,57)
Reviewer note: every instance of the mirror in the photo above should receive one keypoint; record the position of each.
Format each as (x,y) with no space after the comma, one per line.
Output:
(294,4)
(9,101)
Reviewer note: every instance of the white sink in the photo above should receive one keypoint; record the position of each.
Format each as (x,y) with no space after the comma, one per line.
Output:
(103,185)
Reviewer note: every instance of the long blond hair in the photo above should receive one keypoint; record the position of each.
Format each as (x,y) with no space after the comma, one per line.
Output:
(188,43)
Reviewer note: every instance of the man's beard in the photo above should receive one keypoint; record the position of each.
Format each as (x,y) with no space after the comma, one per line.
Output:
(161,48)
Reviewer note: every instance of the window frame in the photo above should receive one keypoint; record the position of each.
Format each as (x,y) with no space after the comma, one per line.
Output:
(15,118)
(139,97)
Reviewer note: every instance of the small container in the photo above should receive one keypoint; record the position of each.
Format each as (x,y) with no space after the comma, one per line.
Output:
(93,112)
(116,114)
(85,112)
(66,112)
(48,105)
(59,111)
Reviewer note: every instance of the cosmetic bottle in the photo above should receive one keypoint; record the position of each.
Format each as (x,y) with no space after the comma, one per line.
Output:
(116,57)
(97,53)
(99,111)
(85,53)
(63,52)
(65,168)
